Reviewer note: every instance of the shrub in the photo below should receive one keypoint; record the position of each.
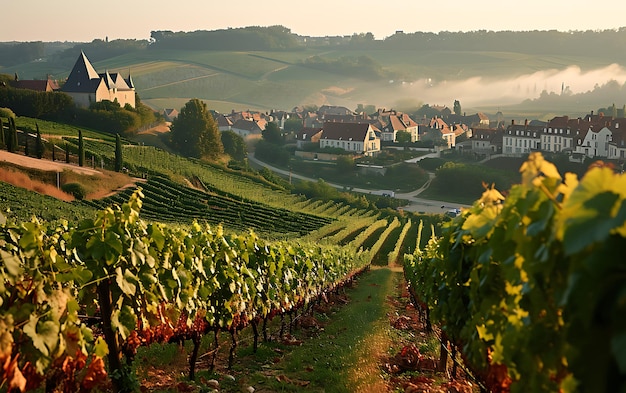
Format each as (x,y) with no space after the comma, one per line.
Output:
(75,189)
(7,113)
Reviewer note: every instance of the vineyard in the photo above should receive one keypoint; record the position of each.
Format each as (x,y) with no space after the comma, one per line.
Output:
(527,287)
(80,296)
(167,201)
(531,287)
(168,284)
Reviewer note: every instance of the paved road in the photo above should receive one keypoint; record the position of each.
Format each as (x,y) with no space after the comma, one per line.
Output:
(416,204)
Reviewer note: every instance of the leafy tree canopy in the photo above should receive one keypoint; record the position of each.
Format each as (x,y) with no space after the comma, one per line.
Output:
(234,145)
(195,133)
(272,134)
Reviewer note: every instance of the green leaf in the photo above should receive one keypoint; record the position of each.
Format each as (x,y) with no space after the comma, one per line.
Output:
(569,384)
(157,236)
(498,350)
(483,334)
(101,348)
(45,336)
(126,281)
(618,347)
(594,224)
(124,321)
(12,263)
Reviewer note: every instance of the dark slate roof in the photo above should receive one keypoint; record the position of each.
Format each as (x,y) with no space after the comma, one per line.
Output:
(334,110)
(345,131)
(83,77)
(247,125)
(307,133)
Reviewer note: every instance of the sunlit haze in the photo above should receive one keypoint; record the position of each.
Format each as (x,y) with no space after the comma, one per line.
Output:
(76,20)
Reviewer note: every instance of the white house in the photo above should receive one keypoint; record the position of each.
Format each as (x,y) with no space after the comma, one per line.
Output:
(360,138)
(521,139)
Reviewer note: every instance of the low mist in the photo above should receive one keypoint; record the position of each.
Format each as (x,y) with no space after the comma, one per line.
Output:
(485,91)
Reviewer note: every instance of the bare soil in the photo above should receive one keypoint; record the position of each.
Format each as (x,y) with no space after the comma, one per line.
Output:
(39,175)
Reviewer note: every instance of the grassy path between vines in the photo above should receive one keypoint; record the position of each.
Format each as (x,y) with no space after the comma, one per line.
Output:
(344,356)
(361,340)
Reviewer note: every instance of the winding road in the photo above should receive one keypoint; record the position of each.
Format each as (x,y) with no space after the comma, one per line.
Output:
(416,204)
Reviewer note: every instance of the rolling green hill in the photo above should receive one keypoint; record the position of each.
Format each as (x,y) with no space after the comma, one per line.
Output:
(243,80)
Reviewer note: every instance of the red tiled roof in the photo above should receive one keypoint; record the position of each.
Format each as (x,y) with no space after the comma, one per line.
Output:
(37,85)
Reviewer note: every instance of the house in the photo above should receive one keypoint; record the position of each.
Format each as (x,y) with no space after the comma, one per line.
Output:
(223,123)
(170,114)
(618,143)
(46,85)
(278,117)
(360,138)
(594,142)
(437,129)
(308,135)
(390,122)
(521,139)
(560,132)
(247,128)
(87,86)
(486,141)
(334,110)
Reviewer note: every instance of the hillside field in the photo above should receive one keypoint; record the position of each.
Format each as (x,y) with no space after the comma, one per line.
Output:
(263,81)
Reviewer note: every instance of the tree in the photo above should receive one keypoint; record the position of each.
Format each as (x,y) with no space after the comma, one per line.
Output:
(118,153)
(26,150)
(54,147)
(403,137)
(81,149)
(195,133)
(39,147)
(272,134)
(67,153)
(457,108)
(12,137)
(345,164)
(234,145)
(293,125)
(2,138)
(614,111)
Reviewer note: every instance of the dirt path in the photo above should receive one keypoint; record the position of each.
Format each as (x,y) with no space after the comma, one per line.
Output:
(44,165)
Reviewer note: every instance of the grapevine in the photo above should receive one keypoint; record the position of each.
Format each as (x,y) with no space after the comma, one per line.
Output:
(144,283)
(530,285)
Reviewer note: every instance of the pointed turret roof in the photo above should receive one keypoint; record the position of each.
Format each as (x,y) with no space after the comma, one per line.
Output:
(83,76)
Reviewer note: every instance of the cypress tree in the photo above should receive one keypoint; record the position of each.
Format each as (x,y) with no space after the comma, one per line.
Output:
(81,149)
(2,144)
(26,152)
(39,148)
(67,153)
(14,142)
(11,137)
(118,153)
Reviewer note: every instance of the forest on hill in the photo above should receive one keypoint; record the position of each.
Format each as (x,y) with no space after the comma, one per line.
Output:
(605,44)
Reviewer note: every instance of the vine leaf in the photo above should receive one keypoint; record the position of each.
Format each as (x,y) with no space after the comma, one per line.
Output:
(593,223)
(12,263)
(45,336)
(618,347)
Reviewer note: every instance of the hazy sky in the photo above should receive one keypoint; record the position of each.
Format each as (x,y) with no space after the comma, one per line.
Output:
(80,20)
